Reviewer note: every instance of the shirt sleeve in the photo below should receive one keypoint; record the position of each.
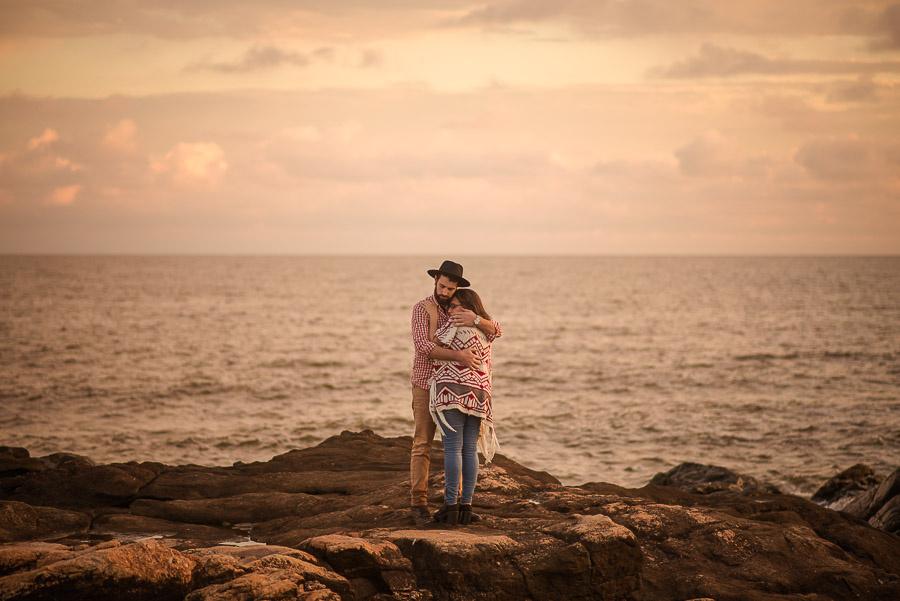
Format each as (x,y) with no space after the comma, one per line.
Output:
(498,331)
(419,324)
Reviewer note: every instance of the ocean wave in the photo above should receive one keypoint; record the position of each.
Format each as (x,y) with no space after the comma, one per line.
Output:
(205,387)
(271,396)
(297,363)
(817,355)
(237,444)
(519,363)
(190,441)
(766,357)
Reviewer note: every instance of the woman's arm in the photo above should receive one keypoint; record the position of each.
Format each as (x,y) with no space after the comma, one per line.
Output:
(466,356)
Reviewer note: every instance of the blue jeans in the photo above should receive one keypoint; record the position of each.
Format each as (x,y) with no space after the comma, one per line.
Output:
(460,455)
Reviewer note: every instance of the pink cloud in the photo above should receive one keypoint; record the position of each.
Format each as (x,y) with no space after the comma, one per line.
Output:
(37,171)
(720,61)
(848,158)
(889,28)
(713,155)
(193,163)
(122,136)
(47,137)
(65,195)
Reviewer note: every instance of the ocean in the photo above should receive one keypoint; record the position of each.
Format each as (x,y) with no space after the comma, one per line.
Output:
(609,368)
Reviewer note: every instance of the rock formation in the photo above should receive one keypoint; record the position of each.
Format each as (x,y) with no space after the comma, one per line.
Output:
(845,486)
(860,493)
(330,522)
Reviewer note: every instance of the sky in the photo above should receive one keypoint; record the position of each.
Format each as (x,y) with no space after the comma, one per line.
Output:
(450,127)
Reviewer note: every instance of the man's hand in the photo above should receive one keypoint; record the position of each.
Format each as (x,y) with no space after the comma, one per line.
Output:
(469,358)
(463,317)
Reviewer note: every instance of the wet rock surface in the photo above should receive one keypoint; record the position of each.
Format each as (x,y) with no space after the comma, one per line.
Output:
(868,504)
(843,487)
(859,492)
(704,479)
(331,522)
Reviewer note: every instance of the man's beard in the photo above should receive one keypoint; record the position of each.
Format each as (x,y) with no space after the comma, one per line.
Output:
(443,302)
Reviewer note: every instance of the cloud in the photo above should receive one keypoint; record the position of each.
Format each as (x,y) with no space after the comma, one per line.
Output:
(257,58)
(122,136)
(713,155)
(65,195)
(340,163)
(863,89)
(38,171)
(357,18)
(615,18)
(849,158)
(153,17)
(40,156)
(888,29)
(522,11)
(719,61)
(370,59)
(325,53)
(223,18)
(193,163)
(596,169)
(47,137)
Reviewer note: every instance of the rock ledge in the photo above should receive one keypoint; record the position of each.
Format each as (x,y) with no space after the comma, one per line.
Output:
(330,522)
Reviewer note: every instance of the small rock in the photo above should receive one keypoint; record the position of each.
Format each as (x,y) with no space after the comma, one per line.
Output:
(374,565)
(705,479)
(868,504)
(459,565)
(27,556)
(276,577)
(20,521)
(213,568)
(68,461)
(248,553)
(119,523)
(888,517)
(143,570)
(73,482)
(249,507)
(16,460)
(615,555)
(843,487)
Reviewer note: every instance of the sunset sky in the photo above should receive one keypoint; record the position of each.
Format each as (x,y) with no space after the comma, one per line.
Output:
(450,127)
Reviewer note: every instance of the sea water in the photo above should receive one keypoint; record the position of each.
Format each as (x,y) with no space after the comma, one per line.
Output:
(609,368)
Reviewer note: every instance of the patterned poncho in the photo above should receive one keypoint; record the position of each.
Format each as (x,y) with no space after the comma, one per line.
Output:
(455,386)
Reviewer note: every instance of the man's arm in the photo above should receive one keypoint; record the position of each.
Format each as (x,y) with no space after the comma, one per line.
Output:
(464,317)
(422,342)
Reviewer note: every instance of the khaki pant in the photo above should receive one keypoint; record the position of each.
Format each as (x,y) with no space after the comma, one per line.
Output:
(420,457)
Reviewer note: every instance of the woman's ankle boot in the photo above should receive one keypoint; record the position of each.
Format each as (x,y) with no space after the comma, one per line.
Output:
(466,515)
(448,514)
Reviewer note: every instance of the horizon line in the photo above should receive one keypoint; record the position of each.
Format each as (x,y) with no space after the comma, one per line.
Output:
(471,255)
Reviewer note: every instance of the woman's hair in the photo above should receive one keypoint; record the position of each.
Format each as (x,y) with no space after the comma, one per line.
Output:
(470,300)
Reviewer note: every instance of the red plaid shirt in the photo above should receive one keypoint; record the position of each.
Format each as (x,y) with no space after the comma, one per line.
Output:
(422,344)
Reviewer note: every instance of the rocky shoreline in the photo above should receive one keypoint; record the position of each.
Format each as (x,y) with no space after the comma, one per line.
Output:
(331,522)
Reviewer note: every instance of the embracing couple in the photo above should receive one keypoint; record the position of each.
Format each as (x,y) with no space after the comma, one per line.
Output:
(451,389)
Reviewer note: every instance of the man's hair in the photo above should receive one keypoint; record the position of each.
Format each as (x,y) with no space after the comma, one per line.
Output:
(470,300)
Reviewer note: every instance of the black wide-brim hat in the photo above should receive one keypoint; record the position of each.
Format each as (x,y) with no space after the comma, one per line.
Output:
(452,270)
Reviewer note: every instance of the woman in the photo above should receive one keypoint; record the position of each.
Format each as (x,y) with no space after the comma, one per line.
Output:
(461,407)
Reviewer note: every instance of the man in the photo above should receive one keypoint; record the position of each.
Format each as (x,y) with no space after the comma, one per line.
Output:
(428,315)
